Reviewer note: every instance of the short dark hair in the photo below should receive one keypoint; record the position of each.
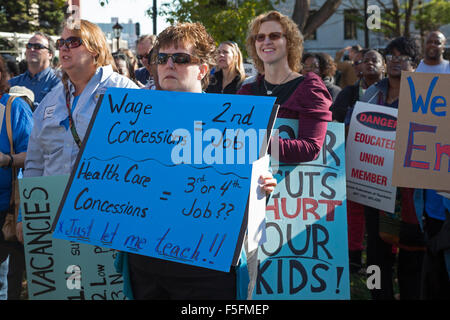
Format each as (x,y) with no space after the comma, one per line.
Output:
(406,46)
(327,66)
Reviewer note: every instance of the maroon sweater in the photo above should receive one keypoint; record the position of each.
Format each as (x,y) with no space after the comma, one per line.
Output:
(310,104)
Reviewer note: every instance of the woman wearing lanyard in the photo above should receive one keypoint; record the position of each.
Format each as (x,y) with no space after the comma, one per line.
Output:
(63,116)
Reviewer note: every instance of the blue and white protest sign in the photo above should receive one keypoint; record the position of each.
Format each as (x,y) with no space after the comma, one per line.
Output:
(166,174)
(306,253)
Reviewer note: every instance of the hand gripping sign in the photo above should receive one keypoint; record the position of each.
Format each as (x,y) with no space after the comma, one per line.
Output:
(167,175)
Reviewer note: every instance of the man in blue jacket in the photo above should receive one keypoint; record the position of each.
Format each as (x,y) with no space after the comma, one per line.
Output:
(40,77)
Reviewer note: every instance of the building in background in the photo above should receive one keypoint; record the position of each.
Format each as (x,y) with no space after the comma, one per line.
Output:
(128,37)
(340,31)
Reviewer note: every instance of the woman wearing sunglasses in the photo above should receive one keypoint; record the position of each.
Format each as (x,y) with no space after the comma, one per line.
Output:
(230,72)
(185,53)
(62,118)
(275,44)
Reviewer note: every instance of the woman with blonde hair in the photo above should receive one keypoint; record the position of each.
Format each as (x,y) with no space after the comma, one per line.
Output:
(62,118)
(230,71)
(275,44)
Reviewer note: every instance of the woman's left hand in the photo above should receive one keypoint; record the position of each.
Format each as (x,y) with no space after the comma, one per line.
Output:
(268,182)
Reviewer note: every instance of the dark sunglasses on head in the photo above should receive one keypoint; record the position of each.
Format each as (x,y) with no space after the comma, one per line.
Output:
(260,37)
(36,46)
(179,58)
(70,42)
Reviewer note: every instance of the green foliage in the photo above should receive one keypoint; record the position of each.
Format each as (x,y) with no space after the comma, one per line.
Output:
(51,15)
(18,16)
(223,19)
(15,17)
(432,15)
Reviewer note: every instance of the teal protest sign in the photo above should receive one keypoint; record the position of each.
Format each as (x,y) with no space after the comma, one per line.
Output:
(166,174)
(58,269)
(306,253)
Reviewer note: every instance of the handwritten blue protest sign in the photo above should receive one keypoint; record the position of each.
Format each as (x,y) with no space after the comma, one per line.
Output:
(306,253)
(166,174)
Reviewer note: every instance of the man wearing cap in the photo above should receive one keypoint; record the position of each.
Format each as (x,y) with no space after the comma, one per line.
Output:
(40,77)
(25,93)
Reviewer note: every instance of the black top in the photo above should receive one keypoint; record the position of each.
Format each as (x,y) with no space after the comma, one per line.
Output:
(281,91)
(215,84)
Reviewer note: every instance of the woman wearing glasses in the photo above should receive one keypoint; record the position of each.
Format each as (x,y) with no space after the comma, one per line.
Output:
(323,65)
(275,45)
(230,72)
(402,54)
(185,54)
(62,118)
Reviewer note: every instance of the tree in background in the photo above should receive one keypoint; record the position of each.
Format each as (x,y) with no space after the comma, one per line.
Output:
(51,16)
(228,20)
(27,16)
(432,15)
(398,16)
(224,20)
(309,21)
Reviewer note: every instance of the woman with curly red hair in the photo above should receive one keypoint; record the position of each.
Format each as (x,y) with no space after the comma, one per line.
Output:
(276,45)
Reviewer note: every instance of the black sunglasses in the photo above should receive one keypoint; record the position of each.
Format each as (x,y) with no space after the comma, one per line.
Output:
(179,58)
(260,37)
(35,46)
(70,43)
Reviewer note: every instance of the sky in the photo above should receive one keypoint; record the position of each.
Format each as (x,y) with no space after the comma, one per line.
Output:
(123,9)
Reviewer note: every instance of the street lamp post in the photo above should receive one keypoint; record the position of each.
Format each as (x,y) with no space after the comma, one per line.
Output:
(117,30)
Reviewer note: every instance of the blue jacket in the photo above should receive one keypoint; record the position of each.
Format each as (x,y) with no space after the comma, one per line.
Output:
(419,205)
(41,84)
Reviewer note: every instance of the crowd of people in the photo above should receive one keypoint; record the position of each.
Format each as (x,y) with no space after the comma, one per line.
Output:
(55,104)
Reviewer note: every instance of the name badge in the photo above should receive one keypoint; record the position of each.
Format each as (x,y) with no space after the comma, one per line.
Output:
(48,112)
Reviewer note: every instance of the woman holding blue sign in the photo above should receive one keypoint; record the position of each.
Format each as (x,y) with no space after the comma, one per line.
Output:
(185,53)
(275,45)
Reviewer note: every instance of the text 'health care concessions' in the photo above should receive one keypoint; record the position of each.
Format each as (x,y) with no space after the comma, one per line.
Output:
(143,185)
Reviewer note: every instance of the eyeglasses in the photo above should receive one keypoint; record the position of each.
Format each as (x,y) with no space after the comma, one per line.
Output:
(70,43)
(358,62)
(392,58)
(260,37)
(142,56)
(35,46)
(310,66)
(179,58)
(435,42)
